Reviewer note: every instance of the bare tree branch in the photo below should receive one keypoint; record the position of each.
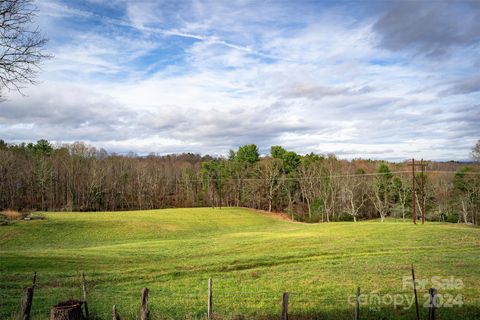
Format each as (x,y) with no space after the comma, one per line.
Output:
(21,45)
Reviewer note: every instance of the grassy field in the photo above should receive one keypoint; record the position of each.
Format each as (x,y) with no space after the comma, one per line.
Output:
(252,258)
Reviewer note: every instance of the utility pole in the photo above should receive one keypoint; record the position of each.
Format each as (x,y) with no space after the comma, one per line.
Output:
(423,192)
(415,183)
(414,205)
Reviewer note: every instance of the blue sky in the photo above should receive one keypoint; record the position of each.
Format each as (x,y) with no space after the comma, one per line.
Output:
(385,80)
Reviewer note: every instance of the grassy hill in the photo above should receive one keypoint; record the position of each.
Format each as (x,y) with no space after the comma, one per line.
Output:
(252,258)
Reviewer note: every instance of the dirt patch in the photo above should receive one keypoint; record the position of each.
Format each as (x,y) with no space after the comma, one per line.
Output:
(277,215)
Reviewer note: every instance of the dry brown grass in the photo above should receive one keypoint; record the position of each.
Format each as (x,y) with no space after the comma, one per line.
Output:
(12,214)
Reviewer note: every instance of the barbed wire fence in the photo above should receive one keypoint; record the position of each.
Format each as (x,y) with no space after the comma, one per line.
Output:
(219,302)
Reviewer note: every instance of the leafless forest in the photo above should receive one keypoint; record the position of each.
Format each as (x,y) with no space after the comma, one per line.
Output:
(312,188)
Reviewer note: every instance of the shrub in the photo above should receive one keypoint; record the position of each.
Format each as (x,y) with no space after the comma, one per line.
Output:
(452,217)
(12,214)
(346,217)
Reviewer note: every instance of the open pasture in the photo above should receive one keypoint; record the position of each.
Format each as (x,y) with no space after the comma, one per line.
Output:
(252,257)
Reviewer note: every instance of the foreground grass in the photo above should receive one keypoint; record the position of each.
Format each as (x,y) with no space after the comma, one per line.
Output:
(252,258)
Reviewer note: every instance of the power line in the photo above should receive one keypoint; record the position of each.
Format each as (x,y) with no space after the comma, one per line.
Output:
(315,177)
(455,172)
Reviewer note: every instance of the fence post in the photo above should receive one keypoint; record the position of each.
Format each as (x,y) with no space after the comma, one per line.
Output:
(285,306)
(210,301)
(144,302)
(433,304)
(84,288)
(115,315)
(27,302)
(415,293)
(357,305)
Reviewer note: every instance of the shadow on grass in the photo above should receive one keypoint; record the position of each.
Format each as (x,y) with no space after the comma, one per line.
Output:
(465,312)
(452,313)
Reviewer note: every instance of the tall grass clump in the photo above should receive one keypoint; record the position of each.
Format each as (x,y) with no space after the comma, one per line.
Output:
(11,215)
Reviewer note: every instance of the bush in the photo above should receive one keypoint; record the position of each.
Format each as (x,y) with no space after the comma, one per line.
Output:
(346,217)
(451,217)
(12,215)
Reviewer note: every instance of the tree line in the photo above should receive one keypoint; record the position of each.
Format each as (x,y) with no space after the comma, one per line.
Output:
(310,188)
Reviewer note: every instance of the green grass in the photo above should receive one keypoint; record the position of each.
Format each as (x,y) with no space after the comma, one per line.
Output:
(252,257)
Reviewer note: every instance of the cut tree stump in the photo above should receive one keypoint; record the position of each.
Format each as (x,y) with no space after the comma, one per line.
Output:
(68,310)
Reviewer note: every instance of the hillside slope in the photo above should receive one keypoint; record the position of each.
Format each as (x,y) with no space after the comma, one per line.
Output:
(252,258)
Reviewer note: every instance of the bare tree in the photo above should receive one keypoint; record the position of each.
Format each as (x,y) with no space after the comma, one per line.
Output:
(269,171)
(468,195)
(381,201)
(476,152)
(382,190)
(354,193)
(311,187)
(443,194)
(21,45)
(401,189)
(306,174)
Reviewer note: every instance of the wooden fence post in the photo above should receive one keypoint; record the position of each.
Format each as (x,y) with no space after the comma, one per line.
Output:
(27,302)
(433,304)
(285,306)
(84,288)
(210,300)
(357,305)
(144,311)
(415,293)
(115,315)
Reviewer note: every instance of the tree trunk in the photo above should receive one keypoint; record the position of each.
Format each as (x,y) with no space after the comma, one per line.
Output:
(464,212)
(419,206)
(290,203)
(68,310)
(309,209)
